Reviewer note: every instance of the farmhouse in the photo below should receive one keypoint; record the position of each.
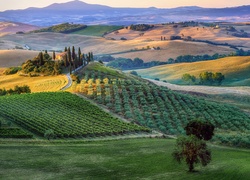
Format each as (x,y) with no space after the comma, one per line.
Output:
(61,56)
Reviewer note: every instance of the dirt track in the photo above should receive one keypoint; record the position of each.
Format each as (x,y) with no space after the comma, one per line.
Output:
(243,90)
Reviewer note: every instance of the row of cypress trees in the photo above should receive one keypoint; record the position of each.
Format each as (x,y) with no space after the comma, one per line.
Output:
(74,60)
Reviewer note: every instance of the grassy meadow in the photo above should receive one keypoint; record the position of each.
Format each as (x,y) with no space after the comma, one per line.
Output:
(235,69)
(123,159)
(97,30)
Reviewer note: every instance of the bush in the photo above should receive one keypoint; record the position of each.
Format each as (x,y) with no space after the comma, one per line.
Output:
(141,27)
(12,70)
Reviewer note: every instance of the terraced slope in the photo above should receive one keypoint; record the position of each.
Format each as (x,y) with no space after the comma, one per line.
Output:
(66,114)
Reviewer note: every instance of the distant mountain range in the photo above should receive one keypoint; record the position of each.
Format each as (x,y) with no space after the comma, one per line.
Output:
(80,12)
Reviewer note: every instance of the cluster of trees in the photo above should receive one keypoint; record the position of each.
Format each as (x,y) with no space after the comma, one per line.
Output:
(123,63)
(73,60)
(104,58)
(205,78)
(43,64)
(192,148)
(193,58)
(141,27)
(16,90)
(47,65)
(62,28)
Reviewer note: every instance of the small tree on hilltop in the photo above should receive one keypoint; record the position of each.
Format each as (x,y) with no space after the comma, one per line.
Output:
(192,148)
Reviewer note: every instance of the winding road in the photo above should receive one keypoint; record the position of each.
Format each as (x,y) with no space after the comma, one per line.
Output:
(69,82)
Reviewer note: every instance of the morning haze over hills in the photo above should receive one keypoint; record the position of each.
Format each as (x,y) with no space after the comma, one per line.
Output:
(90,91)
(80,12)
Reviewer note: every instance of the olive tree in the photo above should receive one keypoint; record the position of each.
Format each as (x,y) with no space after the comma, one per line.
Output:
(192,148)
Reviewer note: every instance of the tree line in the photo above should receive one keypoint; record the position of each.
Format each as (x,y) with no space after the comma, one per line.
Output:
(62,28)
(16,90)
(141,27)
(74,60)
(126,63)
(205,78)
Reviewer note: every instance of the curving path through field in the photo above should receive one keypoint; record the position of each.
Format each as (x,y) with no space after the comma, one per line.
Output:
(241,90)
(70,79)
(69,82)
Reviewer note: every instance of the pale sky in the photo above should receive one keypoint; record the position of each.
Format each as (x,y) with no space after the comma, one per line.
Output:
(22,4)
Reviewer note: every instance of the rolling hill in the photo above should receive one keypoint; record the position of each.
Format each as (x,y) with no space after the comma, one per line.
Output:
(13,27)
(118,48)
(156,107)
(10,58)
(235,69)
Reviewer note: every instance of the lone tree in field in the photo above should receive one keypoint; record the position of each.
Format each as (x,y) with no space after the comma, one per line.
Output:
(192,148)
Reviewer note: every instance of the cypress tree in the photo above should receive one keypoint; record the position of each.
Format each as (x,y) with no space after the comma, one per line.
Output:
(83,59)
(65,49)
(79,56)
(40,57)
(54,55)
(65,59)
(69,55)
(74,57)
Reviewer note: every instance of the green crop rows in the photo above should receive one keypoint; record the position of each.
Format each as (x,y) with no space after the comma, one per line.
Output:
(14,133)
(162,109)
(66,114)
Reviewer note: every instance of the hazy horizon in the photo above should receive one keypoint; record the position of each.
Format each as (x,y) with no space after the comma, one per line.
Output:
(23,4)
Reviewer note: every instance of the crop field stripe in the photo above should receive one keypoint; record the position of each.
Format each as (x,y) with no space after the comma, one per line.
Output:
(67,114)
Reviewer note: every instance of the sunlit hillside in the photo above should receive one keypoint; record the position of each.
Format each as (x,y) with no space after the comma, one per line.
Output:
(235,69)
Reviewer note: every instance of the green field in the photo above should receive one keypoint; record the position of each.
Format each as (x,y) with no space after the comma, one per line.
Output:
(97,30)
(123,159)
(66,114)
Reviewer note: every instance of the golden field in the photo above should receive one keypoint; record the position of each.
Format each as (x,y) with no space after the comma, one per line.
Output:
(36,84)
(235,69)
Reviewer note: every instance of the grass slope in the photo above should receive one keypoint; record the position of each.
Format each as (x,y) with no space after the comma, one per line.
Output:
(66,114)
(97,30)
(123,159)
(235,69)
(36,84)
(160,108)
